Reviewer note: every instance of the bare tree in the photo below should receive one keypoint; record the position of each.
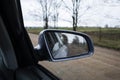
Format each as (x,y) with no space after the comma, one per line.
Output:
(56,5)
(47,11)
(75,41)
(46,6)
(75,11)
(76,4)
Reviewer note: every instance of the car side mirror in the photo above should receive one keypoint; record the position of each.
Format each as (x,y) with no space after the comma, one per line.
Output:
(65,45)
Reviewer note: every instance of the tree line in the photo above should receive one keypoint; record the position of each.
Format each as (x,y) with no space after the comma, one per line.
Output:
(50,9)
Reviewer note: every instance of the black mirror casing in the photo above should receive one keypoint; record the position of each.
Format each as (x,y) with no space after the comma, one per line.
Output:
(44,52)
(41,48)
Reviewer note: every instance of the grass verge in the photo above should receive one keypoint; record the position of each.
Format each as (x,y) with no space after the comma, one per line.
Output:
(110,37)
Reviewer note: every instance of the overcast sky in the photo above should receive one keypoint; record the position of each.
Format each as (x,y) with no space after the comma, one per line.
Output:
(100,13)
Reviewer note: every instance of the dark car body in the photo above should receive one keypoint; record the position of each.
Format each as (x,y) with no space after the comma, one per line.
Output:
(17,56)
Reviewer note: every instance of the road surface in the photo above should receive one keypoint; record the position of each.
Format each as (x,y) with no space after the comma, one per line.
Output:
(103,65)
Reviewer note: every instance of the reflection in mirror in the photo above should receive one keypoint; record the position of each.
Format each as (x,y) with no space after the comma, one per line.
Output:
(62,45)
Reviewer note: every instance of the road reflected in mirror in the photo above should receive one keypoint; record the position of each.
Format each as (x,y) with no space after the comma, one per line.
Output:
(64,45)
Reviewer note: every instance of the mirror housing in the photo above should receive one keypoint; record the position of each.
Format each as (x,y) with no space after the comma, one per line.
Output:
(60,45)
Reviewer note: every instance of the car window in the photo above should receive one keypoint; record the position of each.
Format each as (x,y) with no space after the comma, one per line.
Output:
(100,19)
(80,15)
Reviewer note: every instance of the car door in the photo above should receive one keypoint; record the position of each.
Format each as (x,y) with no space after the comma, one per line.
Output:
(27,63)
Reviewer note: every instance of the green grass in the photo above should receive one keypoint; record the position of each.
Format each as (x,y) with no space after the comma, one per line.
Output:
(81,29)
(110,37)
(34,30)
(108,43)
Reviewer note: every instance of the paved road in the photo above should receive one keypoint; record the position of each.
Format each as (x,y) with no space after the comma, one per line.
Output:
(103,65)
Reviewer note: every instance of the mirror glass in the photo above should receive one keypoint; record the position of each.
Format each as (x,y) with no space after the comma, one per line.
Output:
(64,45)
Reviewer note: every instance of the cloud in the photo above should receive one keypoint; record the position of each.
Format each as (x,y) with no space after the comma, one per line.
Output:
(101,12)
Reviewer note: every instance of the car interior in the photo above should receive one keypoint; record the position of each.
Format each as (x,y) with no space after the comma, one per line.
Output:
(17,56)
(7,56)
(9,69)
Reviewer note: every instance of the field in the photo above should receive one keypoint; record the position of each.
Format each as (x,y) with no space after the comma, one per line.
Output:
(104,37)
